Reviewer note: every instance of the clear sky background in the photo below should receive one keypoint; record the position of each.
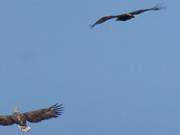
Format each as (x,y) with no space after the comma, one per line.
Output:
(120,78)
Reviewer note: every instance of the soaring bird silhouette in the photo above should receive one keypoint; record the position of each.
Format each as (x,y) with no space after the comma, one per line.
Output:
(126,16)
(35,116)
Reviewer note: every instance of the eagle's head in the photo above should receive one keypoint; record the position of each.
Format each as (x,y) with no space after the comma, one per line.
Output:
(16,109)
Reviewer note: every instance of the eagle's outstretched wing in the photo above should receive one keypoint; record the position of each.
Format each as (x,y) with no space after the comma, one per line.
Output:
(102,20)
(6,120)
(155,8)
(127,16)
(44,114)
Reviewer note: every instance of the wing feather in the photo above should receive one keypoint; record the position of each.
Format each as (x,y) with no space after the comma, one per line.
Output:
(155,8)
(6,120)
(102,20)
(44,114)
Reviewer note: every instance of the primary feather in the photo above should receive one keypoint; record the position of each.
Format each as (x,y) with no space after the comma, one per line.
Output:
(45,113)
(102,20)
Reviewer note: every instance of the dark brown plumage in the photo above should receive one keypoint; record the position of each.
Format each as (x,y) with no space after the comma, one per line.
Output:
(34,116)
(126,16)
(6,120)
(44,114)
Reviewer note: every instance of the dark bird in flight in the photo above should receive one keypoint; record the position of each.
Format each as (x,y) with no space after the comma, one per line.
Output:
(126,16)
(35,116)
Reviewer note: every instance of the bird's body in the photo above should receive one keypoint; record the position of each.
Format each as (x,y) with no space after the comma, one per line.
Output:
(35,116)
(125,16)
(20,120)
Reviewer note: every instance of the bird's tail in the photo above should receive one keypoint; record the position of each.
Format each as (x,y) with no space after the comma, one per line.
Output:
(159,7)
(24,128)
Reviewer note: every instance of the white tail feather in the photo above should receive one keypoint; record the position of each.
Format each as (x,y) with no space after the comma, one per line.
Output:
(24,128)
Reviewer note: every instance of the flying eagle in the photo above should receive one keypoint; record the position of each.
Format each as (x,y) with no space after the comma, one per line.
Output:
(126,16)
(35,116)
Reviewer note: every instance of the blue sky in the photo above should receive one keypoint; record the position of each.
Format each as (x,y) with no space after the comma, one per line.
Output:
(118,78)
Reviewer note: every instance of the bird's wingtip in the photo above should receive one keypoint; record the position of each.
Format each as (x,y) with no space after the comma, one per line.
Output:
(91,25)
(159,6)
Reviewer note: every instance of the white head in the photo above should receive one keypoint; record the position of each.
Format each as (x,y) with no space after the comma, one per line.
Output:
(16,109)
